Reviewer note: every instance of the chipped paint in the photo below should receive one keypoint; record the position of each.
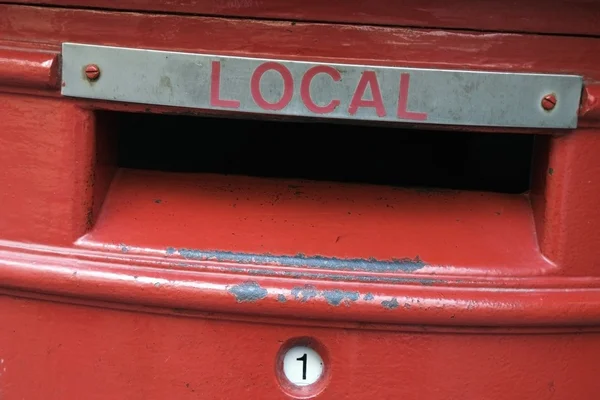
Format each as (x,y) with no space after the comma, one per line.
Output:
(336,297)
(368,297)
(171,250)
(259,271)
(390,304)
(304,293)
(281,298)
(301,260)
(248,292)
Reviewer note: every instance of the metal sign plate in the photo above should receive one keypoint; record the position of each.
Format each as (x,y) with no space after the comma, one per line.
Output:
(313,89)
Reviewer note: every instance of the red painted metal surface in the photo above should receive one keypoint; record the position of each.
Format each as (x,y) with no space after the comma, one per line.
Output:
(365,45)
(576,17)
(118,283)
(28,69)
(102,354)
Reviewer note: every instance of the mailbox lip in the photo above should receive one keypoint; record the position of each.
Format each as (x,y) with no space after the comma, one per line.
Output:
(542,302)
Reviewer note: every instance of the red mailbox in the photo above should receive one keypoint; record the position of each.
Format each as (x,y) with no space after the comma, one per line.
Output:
(216,199)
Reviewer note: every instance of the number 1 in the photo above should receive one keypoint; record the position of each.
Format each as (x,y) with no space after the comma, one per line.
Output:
(303,359)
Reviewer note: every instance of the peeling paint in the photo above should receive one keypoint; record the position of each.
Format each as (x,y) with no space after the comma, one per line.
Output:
(281,298)
(320,275)
(368,297)
(304,293)
(390,304)
(301,260)
(170,251)
(336,297)
(248,292)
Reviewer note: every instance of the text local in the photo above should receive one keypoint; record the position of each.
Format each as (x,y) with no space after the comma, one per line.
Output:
(368,79)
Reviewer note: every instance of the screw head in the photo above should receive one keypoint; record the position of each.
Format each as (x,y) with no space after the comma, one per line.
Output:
(549,102)
(92,72)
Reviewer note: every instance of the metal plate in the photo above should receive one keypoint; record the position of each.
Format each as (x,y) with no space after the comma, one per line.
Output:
(311,89)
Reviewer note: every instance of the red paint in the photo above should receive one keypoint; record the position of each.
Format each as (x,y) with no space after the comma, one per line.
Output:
(458,229)
(375,45)
(30,69)
(368,80)
(509,293)
(575,17)
(46,169)
(105,353)
(215,83)
(403,112)
(92,72)
(169,282)
(564,200)
(549,102)
(305,89)
(288,86)
(590,104)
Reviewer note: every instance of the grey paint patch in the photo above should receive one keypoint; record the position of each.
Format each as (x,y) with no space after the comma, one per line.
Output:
(300,260)
(390,304)
(170,251)
(281,298)
(304,293)
(336,297)
(368,297)
(338,277)
(248,292)
(124,248)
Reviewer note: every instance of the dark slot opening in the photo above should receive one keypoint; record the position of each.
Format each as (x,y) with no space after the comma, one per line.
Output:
(326,152)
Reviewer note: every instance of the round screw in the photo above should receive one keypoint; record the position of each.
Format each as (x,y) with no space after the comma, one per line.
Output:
(549,102)
(92,72)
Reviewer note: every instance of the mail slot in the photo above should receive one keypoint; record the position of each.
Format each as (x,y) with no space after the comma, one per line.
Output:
(303,201)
